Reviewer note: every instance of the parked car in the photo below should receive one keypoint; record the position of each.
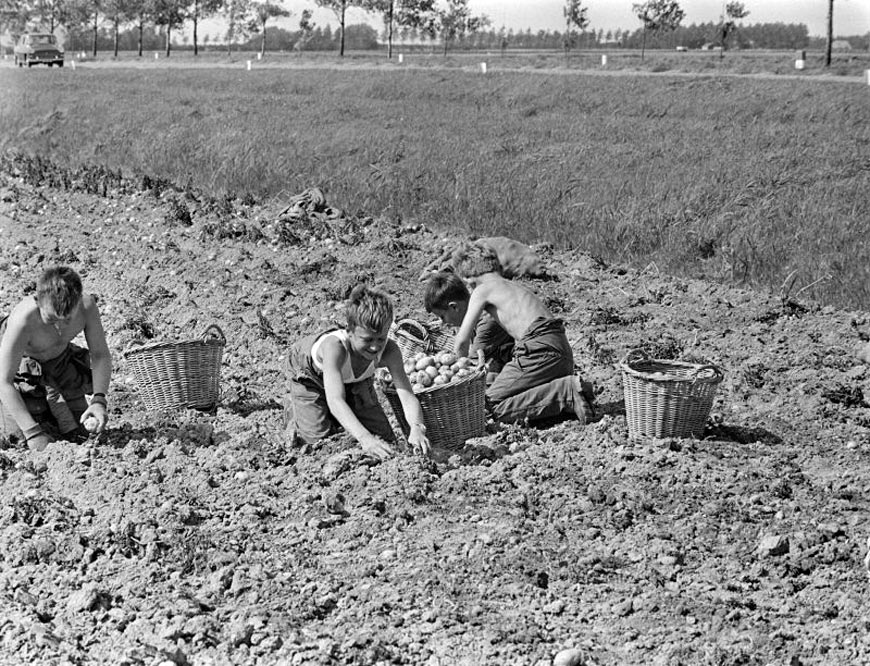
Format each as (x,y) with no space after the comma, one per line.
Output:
(35,48)
(682,49)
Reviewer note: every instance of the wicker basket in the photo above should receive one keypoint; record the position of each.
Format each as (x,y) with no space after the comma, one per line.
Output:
(452,413)
(413,337)
(180,374)
(667,398)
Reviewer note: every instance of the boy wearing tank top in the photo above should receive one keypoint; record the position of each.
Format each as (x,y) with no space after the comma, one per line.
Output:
(332,380)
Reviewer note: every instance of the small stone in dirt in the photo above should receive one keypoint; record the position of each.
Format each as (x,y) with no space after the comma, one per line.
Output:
(774,545)
(623,608)
(334,502)
(569,657)
(831,530)
(555,607)
(84,599)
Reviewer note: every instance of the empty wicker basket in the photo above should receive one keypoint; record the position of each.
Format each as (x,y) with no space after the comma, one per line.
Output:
(180,374)
(413,337)
(452,413)
(667,398)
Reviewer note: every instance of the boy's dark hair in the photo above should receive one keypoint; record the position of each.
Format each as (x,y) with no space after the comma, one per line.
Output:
(441,289)
(473,259)
(369,308)
(61,288)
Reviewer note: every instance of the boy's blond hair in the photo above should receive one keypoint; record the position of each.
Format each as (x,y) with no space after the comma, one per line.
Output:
(473,259)
(368,307)
(61,288)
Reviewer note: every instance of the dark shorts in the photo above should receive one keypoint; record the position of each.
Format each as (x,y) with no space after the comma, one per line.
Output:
(306,410)
(540,356)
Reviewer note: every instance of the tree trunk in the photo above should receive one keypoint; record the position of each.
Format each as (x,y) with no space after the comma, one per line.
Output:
(116,36)
(168,38)
(830,41)
(390,32)
(195,31)
(341,44)
(141,29)
(96,17)
(643,44)
(263,41)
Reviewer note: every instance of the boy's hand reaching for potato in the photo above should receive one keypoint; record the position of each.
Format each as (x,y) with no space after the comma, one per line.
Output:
(376,447)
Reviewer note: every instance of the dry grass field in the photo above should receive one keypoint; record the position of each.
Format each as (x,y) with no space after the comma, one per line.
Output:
(745,179)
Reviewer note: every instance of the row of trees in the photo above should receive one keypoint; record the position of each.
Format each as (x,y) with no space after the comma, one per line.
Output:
(447,21)
(658,16)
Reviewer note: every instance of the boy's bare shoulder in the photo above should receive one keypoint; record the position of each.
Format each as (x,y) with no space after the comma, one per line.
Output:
(25,310)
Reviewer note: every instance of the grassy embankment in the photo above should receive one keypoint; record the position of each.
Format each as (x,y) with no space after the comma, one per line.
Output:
(734,179)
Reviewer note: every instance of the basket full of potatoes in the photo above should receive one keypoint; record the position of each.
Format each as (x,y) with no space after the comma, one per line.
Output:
(451,392)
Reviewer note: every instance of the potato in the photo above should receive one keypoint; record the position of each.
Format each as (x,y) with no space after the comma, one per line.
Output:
(409,366)
(424,362)
(448,358)
(440,380)
(445,370)
(424,380)
(463,361)
(431,370)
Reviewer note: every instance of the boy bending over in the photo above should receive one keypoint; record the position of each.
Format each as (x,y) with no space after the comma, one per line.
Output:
(538,382)
(332,380)
(43,376)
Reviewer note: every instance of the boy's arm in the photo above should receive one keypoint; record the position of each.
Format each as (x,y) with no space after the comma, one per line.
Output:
(333,354)
(12,347)
(476,304)
(101,365)
(392,359)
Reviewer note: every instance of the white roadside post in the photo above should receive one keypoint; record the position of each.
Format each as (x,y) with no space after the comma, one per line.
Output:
(604,60)
(401,58)
(259,56)
(483,68)
(249,65)
(867,74)
(800,60)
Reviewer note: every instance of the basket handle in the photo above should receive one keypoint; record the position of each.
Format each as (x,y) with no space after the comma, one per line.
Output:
(634,356)
(422,333)
(716,372)
(214,332)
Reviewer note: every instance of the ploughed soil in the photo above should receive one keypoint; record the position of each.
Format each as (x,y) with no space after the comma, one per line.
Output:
(195,538)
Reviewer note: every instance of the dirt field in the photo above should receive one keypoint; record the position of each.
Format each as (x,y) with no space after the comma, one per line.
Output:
(195,539)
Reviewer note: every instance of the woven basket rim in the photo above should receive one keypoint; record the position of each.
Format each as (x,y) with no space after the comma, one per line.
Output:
(715,372)
(453,383)
(204,339)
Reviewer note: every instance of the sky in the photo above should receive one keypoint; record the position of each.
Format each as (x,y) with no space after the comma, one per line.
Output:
(851,17)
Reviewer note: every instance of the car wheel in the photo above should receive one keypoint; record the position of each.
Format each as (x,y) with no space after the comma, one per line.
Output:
(51,64)
(60,64)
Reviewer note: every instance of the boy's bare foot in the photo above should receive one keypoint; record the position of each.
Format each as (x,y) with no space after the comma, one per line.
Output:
(582,407)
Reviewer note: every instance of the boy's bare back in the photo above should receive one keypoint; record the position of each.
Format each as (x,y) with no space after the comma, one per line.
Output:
(512,305)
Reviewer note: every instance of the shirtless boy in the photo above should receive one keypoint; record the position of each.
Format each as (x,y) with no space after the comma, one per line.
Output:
(39,363)
(538,382)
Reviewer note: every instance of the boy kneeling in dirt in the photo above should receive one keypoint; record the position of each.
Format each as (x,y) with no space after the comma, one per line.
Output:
(43,376)
(332,380)
(538,382)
